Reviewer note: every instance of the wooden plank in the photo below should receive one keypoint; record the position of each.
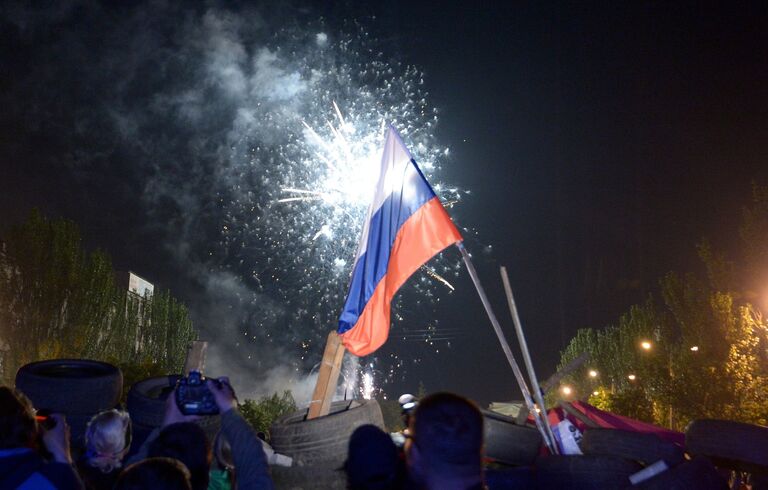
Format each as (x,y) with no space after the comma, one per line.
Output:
(333,380)
(195,360)
(328,377)
(566,406)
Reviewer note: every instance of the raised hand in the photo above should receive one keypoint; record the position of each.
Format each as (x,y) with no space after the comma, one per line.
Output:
(172,414)
(223,394)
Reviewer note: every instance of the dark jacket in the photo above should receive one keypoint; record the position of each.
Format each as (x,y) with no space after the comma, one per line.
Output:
(24,469)
(247,452)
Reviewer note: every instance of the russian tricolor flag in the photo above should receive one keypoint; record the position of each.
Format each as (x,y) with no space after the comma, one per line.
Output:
(405,227)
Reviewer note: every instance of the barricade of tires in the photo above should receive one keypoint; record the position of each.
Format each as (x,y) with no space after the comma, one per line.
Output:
(319,446)
(78,388)
(610,458)
(618,459)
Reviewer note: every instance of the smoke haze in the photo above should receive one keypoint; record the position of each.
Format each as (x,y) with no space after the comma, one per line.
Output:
(180,122)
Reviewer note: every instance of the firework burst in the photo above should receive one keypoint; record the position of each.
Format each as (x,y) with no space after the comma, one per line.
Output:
(309,167)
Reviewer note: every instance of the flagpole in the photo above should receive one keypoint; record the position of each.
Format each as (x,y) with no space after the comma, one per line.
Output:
(524,348)
(505,345)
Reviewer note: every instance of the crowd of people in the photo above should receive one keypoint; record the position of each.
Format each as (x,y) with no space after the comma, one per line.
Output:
(442,449)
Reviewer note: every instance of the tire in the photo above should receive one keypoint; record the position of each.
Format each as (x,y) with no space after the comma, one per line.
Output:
(733,445)
(759,482)
(509,443)
(146,399)
(643,447)
(584,472)
(503,479)
(71,386)
(324,440)
(697,474)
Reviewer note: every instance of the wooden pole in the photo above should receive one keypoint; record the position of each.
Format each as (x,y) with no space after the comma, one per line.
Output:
(505,346)
(195,360)
(553,380)
(327,377)
(526,354)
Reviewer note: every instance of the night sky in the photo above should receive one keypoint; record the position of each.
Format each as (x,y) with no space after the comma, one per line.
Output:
(599,142)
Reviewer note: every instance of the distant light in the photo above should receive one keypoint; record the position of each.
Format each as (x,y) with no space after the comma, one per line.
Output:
(595,393)
(695,348)
(592,373)
(632,377)
(566,390)
(645,345)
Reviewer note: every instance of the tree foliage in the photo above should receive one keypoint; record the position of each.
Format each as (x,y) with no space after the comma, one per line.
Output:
(708,342)
(262,413)
(57,301)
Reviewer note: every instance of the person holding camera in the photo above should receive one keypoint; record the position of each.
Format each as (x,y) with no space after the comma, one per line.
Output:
(21,465)
(178,439)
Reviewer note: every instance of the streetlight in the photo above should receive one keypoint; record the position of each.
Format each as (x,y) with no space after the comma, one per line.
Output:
(695,348)
(566,390)
(592,373)
(632,377)
(646,345)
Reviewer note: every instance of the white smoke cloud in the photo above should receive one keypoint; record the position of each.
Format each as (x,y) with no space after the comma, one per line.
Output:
(272,82)
(225,54)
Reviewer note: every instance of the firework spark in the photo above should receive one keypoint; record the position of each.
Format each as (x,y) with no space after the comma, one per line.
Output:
(367,388)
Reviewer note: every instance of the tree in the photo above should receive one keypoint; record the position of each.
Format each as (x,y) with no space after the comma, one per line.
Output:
(707,353)
(262,413)
(57,300)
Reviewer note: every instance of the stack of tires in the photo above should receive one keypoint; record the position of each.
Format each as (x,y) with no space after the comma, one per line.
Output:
(510,451)
(78,388)
(508,443)
(146,406)
(714,450)
(610,457)
(731,446)
(319,446)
